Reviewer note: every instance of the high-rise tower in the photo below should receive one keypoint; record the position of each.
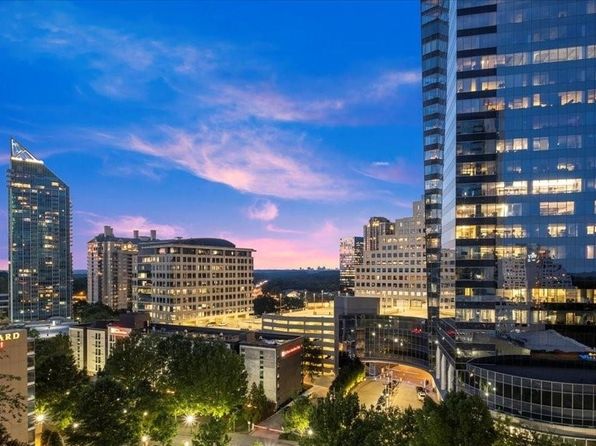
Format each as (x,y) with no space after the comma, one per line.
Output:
(39,232)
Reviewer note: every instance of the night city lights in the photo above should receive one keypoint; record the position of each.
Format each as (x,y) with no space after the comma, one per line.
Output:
(298,223)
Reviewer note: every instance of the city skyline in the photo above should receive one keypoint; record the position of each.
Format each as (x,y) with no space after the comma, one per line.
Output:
(225,122)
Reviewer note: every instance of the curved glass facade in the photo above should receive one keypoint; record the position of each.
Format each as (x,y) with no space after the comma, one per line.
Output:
(541,390)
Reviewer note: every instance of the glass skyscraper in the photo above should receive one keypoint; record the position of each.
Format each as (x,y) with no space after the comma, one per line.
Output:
(509,122)
(510,160)
(39,232)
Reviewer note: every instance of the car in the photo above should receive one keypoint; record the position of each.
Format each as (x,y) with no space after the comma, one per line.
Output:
(421,393)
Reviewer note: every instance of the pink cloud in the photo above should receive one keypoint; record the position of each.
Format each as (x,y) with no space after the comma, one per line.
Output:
(263,210)
(273,253)
(265,162)
(273,228)
(124,225)
(3,264)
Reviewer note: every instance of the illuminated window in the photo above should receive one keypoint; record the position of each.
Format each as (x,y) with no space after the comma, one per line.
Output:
(591,96)
(540,143)
(559,230)
(512,145)
(557,208)
(590,251)
(591,229)
(558,186)
(571,97)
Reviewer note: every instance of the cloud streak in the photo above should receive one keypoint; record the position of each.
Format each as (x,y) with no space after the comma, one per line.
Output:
(124,225)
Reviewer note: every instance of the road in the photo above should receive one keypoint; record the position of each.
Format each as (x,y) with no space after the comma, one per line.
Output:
(404,395)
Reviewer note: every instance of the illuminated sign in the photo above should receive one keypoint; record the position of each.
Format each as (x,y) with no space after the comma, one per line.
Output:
(118,331)
(291,350)
(9,336)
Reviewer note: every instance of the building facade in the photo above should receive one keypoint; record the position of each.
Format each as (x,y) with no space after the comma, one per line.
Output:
(350,256)
(394,266)
(318,328)
(110,265)
(17,372)
(39,233)
(509,116)
(193,280)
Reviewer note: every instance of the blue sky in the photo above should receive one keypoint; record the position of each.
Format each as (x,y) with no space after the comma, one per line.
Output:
(281,126)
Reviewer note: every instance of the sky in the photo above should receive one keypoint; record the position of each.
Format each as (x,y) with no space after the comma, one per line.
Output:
(280,126)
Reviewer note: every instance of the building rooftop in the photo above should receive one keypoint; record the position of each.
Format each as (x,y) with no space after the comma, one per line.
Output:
(547,341)
(212,242)
(573,371)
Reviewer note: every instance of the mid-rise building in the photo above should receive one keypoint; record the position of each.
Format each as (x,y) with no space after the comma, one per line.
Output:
(110,265)
(39,233)
(509,99)
(393,266)
(350,256)
(92,343)
(17,373)
(193,281)
(315,323)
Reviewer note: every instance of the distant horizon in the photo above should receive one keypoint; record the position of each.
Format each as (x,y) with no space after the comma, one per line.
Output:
(279,127)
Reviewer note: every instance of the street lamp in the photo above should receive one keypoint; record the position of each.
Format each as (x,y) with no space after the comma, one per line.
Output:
(190,419)
(40,417)
(309,432)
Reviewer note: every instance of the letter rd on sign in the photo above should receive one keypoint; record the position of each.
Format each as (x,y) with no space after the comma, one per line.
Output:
(10,336)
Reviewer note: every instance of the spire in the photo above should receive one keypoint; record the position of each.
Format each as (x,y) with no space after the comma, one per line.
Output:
(20,153)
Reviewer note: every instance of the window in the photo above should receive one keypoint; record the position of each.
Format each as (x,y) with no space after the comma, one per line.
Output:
(540,143)
(557,208)
(571,97)
(591,96)
(591,229)
(559,186)
(512,145)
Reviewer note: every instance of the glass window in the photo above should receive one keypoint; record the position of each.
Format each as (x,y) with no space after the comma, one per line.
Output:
(558,186)
(571,97)
(540,143)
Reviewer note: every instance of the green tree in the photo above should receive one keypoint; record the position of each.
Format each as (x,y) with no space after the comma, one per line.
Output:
(511,435)
(85,312)
(257,406)
(460,420)
(105,415)
(351,372)
(391,427)
(297,416)
(51,438)
(207,378)
(332,420)
(56,379)
(212,433)
(312,359)
(264,304)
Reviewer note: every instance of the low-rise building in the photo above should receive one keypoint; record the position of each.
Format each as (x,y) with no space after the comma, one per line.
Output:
(17,371)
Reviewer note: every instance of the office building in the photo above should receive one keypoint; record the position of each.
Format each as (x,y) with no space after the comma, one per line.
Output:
(110,265)
(393,266)
(39,232)
(350,256)
(17,361)
(509,142)
(193,281)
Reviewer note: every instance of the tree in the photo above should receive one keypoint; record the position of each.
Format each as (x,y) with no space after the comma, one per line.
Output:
(390,427)
(56,379)
(312,358)
(85,312)
(105,415)
(264,304)
(297,416)
(6,440)
(212,433)
(460,420)
(351,372)
(512,435)
(332,420)
(51,438)
(257,406)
